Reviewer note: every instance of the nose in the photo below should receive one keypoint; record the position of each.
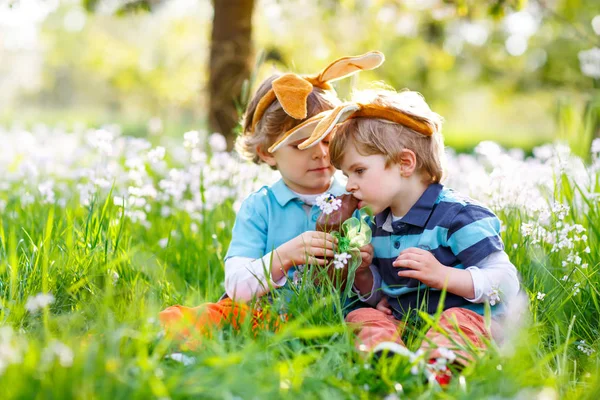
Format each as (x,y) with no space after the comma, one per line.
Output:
(321,150)
(351,187)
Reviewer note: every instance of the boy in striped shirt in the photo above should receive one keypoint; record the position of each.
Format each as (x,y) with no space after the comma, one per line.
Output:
(426,237)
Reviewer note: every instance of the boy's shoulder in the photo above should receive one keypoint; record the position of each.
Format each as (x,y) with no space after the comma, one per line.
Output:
(456,209)
(257,201)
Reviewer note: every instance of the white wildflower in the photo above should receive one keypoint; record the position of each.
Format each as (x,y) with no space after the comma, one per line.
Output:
(163,242)
(494,296)
(589,62)
(47,191)
(155,125)
(447,354)
(341,260)
(156,155)
(328,203)
(115,277)
(39,301)
(11,352)
(596,146)
(217,142)
(182,358)
(60,351)
(540,296)
(191,139)
(165,211)
(585,348)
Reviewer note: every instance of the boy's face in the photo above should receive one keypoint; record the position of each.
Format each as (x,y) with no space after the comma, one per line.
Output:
(304,171)
(370,181)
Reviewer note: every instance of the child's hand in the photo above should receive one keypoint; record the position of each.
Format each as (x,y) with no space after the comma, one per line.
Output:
(423,266)
(366,252)
(313,244)
(363,279)
(384,306)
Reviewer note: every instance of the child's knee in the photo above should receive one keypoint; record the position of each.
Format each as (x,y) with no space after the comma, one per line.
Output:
(364,314)
(460,315)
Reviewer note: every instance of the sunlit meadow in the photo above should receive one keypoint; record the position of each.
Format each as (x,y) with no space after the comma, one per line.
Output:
(100,231)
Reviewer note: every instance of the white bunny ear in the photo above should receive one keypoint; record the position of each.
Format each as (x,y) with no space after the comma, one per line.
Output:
(326,125)
(345,66)
(302,131)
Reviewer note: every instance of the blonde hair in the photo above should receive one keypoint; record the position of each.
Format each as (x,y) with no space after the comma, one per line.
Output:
(377,136)
(275,120)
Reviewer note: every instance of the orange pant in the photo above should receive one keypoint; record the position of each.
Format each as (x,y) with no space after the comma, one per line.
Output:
(374,327)
(190,324)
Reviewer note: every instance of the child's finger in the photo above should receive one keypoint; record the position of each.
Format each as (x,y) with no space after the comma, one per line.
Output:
(317,261)
(412,264)
(321,252)
(367,248)
(383,309)
(323,237)
(409,274)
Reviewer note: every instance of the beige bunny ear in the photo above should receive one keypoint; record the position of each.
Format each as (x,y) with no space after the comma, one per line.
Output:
(345,66)
(292,91)
(324,128)
(301,131)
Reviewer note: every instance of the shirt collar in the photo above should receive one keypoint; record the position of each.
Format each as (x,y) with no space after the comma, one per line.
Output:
(283,194)
(418,214)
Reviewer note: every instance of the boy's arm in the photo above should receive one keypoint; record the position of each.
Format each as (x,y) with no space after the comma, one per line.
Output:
(249,240)
(495,272)
(473,235)
(246,278)
(422,265)
(248,245)
(367,285)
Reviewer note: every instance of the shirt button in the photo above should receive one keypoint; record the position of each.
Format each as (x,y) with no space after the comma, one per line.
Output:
(315,217)
(397,244)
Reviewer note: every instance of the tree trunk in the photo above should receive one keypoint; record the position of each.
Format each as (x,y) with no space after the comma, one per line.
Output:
(230,63)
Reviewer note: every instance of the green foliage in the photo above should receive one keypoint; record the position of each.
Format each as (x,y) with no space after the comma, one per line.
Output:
(110,278)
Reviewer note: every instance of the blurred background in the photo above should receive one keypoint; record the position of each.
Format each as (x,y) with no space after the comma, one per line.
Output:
(517,72)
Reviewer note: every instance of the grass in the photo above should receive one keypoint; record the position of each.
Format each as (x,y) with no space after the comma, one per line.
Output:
(110,277)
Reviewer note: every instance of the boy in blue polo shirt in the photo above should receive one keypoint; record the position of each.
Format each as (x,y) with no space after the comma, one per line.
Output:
(274,230)
(425,237)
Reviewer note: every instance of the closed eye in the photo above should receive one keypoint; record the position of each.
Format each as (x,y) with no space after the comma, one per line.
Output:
(359,171)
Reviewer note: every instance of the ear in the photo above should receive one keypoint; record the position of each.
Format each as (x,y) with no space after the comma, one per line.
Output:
(266,156)
(407,162)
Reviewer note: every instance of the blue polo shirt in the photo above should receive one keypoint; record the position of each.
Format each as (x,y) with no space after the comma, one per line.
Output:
(270,217)
(458,231)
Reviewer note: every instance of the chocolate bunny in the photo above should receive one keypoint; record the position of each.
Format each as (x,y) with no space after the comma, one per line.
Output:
(332,222)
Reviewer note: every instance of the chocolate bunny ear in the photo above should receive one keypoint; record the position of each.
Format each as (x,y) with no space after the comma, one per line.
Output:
(357,110)
(293,90)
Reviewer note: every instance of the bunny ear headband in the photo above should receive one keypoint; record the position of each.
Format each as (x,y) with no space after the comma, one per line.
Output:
(329,119)
(293,90)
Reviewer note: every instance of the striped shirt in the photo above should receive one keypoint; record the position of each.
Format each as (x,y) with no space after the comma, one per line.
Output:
(458,231)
